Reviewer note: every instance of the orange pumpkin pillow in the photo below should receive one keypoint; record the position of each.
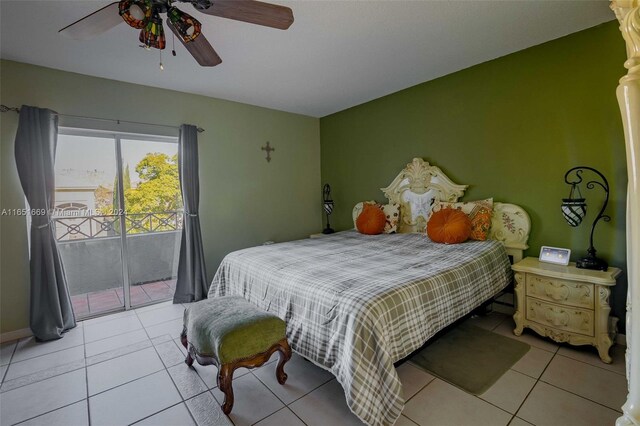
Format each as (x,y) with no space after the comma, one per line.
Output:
(479,212)
(371,221)
(449,226)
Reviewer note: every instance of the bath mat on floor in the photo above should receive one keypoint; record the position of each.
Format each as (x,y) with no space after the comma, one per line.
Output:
(469,357)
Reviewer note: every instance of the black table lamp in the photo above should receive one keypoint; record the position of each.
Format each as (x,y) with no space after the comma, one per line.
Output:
(574,210)
(327,204)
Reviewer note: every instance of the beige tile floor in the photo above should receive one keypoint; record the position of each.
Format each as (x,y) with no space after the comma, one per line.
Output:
(128,368)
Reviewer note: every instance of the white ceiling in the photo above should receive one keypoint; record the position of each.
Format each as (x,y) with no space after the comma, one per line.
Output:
(337,54)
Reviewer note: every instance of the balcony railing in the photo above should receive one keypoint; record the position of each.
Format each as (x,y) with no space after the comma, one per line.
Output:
(83,227)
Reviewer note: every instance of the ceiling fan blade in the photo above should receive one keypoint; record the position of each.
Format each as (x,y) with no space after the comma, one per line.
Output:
(200,48)
(254,12)
(93,24)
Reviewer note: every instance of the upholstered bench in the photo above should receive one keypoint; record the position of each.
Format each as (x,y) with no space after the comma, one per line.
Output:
(230,333)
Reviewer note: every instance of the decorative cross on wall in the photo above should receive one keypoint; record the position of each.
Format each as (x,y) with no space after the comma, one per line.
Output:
(269,149)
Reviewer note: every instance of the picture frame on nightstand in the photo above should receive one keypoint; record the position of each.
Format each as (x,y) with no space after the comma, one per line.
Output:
(555,255)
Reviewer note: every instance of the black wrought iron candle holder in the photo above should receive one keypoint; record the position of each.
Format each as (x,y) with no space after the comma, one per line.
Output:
(327,204)
(574,209)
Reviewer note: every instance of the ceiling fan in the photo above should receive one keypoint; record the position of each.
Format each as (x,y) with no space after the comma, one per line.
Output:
(145,16)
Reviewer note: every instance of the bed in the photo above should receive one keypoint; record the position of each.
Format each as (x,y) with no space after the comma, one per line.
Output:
(356,304)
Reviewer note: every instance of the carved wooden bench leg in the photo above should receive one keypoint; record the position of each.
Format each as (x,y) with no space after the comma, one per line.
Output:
(188,360)
(225,371)
(285,355)
(225,378)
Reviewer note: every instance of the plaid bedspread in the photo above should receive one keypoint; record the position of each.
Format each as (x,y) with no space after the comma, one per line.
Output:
(355,304)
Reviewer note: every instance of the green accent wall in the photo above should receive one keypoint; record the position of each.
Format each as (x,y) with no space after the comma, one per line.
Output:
(245,201)
(510,128)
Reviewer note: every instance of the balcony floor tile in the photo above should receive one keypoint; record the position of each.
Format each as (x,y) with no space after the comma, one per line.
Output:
(96,302)
(159,285)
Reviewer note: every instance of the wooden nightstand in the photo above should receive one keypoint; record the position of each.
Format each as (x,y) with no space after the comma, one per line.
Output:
(565,303)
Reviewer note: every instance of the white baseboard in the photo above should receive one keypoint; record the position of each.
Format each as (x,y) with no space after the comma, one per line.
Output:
(621,339)
(15,335)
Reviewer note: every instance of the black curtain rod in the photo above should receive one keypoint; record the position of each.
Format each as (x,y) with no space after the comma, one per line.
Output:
(4,108)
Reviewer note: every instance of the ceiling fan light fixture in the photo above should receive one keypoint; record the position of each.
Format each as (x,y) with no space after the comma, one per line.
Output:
(188,27)
(144,15)
(136,13)
(153,34)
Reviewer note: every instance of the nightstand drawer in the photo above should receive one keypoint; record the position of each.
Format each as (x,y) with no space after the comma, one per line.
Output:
(574,320)
(560,291)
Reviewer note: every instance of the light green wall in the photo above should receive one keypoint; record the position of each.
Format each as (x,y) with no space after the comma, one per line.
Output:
(510,128)
(245,201)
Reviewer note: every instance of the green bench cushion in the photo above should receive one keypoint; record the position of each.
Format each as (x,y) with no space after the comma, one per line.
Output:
(229,328)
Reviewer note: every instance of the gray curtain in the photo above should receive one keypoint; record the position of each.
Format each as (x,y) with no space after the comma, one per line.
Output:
(191,284)
(51,313)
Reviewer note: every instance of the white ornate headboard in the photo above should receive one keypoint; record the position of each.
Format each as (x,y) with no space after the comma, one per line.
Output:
(419,184)
(415,188)
(511,225)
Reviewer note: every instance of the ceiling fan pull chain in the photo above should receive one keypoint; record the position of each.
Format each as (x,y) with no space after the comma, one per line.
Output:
(173,40)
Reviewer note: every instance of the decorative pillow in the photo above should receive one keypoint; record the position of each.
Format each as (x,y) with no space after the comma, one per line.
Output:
(371,221)
(391,212)
(449,226)
(479,212)
(392,217)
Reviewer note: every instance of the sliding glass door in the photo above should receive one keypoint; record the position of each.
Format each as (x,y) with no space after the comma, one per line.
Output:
(87,228)
(153,217)
(118,218)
